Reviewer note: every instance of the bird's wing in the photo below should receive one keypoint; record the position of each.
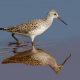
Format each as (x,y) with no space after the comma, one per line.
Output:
(23,28)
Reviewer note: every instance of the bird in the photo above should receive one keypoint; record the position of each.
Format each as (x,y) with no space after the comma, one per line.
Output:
(33,28)
(35,57)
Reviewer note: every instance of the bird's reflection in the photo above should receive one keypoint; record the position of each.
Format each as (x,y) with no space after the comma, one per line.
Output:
(36,57)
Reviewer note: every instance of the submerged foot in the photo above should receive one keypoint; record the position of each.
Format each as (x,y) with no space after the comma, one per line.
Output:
(18,42)
(13,43)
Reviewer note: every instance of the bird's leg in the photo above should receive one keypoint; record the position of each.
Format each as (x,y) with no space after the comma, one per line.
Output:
(32,44)
(15,38)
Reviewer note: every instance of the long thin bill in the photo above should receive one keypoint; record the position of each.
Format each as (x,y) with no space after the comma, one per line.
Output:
(61,20)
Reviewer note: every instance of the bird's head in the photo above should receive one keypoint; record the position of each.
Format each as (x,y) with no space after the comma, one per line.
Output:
(52,13)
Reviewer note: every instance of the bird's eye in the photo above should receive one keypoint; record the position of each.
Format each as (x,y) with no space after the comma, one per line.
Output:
(54,13)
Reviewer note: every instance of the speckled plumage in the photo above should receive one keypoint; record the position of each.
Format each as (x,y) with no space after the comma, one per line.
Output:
(33,28)
(36,57)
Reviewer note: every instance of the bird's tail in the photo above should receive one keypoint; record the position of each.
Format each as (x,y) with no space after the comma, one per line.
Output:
(1,28)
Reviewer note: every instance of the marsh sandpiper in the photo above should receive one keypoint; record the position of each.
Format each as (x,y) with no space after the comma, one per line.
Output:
(33,28)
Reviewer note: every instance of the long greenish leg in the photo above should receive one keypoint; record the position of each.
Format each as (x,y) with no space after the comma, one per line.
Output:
(15,38)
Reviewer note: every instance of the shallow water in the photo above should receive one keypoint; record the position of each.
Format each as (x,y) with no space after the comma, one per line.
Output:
(59,40)
(59,50)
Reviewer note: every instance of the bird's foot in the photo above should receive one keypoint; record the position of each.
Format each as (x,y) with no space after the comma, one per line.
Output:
(14,43)
(18,42)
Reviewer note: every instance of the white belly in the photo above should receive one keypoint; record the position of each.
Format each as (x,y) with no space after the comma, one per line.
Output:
(38,31)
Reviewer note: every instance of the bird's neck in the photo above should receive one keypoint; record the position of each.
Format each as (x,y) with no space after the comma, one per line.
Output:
(49,20)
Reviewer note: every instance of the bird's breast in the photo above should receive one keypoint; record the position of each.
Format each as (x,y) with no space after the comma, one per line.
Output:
(39,30)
